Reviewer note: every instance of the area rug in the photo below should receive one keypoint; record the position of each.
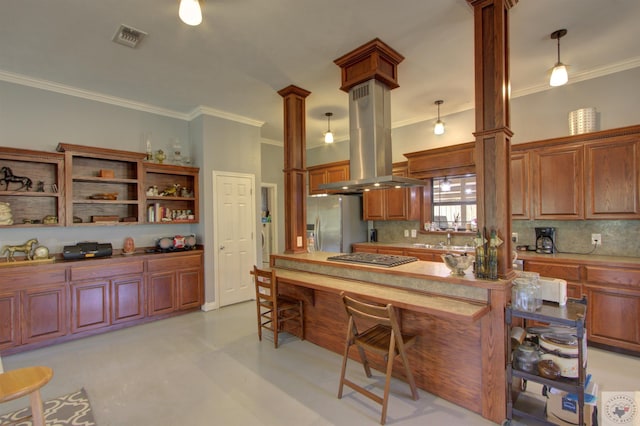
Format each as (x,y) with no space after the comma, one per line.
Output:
(71,409)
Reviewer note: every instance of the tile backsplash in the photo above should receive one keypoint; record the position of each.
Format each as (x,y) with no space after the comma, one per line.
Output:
(619,237)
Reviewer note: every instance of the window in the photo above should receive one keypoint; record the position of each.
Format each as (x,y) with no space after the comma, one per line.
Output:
(454,202)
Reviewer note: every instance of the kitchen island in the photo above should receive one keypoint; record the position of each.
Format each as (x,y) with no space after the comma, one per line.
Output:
(460,354)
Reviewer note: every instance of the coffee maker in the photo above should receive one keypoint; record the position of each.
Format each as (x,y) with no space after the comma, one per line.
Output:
(546,240)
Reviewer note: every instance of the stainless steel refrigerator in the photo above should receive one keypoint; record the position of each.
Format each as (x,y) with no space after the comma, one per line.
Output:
(336,222)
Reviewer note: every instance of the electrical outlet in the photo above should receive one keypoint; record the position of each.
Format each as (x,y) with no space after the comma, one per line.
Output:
(406,232)
(299,241)
(414,233)
(514,237)
(596,239)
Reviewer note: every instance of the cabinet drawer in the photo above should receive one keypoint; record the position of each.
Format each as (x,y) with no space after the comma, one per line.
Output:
(80,273)
(176,263)
(554,270)
(618,276)
(33,277)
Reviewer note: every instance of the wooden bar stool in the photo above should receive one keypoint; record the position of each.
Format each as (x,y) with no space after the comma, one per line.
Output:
(15,384)
(274,310)
(382,337)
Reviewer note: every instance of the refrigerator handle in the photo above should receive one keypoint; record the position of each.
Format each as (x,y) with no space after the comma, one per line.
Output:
(318,242)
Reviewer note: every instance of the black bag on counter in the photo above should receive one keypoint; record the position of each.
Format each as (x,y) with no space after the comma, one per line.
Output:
(87,250)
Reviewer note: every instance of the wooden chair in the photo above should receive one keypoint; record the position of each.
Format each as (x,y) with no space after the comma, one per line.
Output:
(15,384)
(383,337)
(275,310)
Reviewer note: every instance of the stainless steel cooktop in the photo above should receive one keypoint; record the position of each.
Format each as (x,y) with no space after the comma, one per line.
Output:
(384,260)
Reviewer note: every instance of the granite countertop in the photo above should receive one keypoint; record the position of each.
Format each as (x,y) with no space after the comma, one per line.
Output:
(594,259)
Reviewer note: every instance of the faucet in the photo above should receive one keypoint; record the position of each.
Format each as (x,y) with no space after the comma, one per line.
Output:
(448,238)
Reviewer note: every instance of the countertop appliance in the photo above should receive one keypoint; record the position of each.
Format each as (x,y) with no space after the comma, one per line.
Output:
(385,260)
(546,240)
(336,222)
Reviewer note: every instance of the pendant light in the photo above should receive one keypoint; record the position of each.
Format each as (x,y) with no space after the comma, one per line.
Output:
(438,129)
(559,74)
(445,185)
(190,12)
(328,137)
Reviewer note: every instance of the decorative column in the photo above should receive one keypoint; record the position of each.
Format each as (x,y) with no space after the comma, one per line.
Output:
(493,135)
(493,152)
(295,173)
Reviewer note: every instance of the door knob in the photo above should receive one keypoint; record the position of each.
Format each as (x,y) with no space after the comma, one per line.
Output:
(221,247)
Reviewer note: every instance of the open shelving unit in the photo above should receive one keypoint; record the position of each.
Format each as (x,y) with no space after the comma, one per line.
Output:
(30,206)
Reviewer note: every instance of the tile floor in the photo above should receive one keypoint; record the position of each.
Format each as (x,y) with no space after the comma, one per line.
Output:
(210,368)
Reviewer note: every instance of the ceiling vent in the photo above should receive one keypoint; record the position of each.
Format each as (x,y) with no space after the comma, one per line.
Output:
(128,36)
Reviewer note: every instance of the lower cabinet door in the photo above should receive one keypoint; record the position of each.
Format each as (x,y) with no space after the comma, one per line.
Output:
(44,312)
(614,317)
(89,305)
(127,299)
(9,319)
(162,293)
(189,289)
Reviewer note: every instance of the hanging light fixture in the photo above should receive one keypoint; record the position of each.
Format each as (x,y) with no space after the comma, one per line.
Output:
(190,12)
(328,137)
(438,129)
(559,74)
(445,185)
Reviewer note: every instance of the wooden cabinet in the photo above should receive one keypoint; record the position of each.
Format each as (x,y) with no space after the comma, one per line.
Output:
(103,296)
(174,284)
(9,319)
(180,206)
(50,303)
(327,173)
(454,160)
(587,176)
(103,186)
(395,203)
(520,204)
(558,182)
(614,292)
(612,178)
(613,298)
(44,312)
(32,184)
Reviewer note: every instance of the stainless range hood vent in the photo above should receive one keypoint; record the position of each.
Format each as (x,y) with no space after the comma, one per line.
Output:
(370,142)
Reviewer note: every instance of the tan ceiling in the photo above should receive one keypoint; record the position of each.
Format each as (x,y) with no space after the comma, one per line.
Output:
(247,50)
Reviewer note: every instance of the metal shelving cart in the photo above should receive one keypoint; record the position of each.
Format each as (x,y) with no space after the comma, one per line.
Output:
(572,315)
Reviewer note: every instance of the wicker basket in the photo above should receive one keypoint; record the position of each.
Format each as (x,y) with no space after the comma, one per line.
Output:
(582,120)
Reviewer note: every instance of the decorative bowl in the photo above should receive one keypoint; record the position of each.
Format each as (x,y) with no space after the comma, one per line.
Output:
(457,264)
(548,369)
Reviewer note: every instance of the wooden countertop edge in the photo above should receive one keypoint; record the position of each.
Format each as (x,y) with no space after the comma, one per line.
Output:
(582,259)
(401,298)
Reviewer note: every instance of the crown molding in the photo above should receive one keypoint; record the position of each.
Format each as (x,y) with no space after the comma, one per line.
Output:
(205,110)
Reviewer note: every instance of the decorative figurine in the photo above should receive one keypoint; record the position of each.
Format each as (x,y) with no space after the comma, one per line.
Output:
(129,246)
(10,177)
(49,219)
(160,156)
(185,192)
(171,191)
(40,187)
(24,248)
(152,191)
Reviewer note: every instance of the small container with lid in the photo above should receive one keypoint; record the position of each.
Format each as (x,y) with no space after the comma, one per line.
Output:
(526,358)
(523,295)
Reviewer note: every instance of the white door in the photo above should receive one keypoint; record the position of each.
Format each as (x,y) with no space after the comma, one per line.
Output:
(234,218)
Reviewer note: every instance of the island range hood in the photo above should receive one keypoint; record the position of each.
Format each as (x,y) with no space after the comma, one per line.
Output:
(370,142)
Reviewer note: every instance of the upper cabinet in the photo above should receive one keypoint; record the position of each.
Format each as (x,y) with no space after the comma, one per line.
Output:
(31,185)
(588,176)
(393,204)
(612,178)
(558,183)
(327,173)
(454,160)
(103,186)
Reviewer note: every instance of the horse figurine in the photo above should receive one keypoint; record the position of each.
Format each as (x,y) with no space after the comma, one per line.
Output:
(10,177)
(24,248)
